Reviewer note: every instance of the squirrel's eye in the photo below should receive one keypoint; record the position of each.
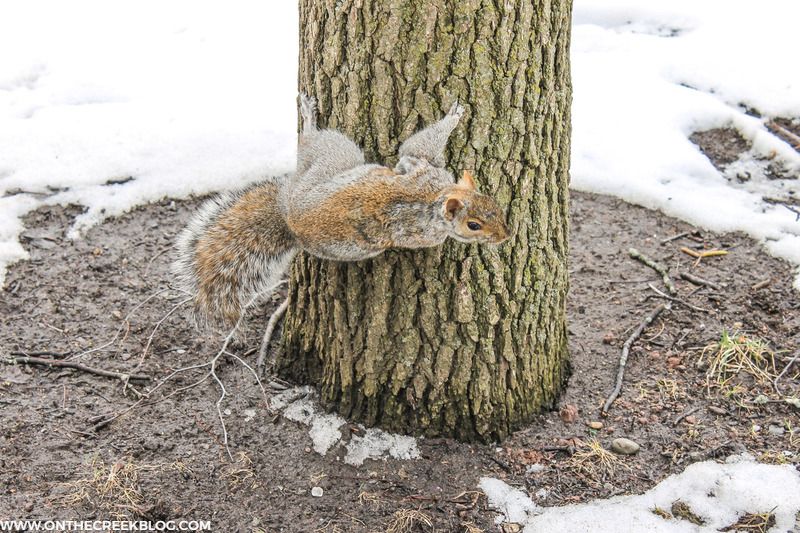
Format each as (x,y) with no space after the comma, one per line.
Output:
(474,226)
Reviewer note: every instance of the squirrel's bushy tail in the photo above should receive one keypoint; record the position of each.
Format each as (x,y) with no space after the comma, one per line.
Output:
(235,249)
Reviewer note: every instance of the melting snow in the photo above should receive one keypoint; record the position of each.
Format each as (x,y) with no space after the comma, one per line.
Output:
(719,494)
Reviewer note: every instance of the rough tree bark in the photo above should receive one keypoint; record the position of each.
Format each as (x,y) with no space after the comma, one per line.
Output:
(462,341)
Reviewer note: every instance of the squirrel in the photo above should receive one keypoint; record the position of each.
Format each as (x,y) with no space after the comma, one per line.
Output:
(335,206)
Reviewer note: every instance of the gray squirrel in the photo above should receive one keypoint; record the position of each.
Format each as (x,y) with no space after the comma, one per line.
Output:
(335,206)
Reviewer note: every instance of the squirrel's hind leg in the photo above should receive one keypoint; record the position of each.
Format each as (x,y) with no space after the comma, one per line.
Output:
(323,153)
(429,143)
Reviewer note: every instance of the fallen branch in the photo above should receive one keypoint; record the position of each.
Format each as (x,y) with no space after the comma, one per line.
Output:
(658,267)
(273,322)
(697,280)
(678,300)
(158,325)
(684,415)
(29,360)
(626,348)
(783,372)
(675,237)
(212,373)
(42,352)
(785,134)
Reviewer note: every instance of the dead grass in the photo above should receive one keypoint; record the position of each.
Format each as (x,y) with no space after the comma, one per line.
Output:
(405,520)
(736,354)
(470,527)
(668,388)
(658,511)
(682,510)
(111,488)
(759,523)
(773,458)
(595,461)
(372,499)
(240,473)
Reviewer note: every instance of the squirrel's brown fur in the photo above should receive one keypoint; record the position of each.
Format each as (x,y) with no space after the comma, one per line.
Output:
(334,207)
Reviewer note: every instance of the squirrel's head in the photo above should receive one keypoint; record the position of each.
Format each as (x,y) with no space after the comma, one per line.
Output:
(472,216)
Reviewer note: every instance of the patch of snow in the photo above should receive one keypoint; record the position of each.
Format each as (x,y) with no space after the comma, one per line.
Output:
(184,97)
(191,97)
(513,505)
(299,404)
(718,493)
(648,74)
(376,443)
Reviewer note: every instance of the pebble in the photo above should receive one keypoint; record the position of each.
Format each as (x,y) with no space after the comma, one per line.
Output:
(624,446)
(595,425)
(776,430)
(690,419)
(717,410)
(534,469)
(317,492)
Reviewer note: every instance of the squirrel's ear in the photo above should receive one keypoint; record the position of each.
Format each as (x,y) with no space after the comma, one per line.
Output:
(451,207)
(467,180)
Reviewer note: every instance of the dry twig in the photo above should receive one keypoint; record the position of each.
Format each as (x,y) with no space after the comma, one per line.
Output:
(658,267)
(678,300)
(697,280)
(623,358)
(29,360)
(785,369)
(273,322)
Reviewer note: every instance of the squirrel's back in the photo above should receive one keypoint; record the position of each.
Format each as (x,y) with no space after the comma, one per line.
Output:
(236,247)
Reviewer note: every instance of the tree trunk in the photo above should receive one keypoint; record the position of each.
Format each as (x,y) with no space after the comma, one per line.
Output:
(462,340)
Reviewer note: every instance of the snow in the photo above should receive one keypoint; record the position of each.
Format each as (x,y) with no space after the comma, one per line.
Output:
(648,74)
(718,493)
(299,404)
(189,97)
(185,97)
(377,443)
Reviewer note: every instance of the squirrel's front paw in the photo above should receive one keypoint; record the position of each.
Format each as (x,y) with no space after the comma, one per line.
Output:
(455,110)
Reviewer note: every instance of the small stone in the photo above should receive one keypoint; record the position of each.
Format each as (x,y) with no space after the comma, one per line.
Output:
(691,419)
(776,430)
(28,507)
(608,338)
(568,413)
(511,527)
(595,425)
(717,410)
(624,446)
(317,492)
(643,420)
(674,362)
(534,468)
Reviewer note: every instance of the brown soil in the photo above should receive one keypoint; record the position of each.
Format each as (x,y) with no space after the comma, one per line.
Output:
(73,295)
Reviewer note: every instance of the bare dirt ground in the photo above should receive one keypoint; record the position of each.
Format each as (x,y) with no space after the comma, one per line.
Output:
(167,461)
